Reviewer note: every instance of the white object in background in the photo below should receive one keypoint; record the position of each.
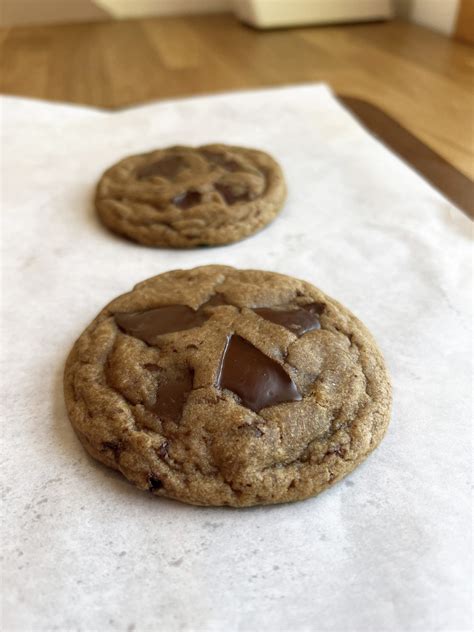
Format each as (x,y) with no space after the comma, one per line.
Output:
(435,14)
(274,13)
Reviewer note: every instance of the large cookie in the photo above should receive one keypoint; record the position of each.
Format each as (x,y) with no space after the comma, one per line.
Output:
(218,386)
(184,197)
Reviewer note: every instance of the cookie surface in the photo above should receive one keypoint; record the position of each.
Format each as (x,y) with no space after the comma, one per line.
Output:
(217,386)
(185,197)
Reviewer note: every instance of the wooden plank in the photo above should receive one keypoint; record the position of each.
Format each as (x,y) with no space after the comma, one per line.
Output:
(442,175)
(422,79)
(464,29)
(412,93)
(29,12)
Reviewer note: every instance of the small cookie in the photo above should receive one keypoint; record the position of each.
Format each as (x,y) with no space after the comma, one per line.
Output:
(217,386)
(183,197)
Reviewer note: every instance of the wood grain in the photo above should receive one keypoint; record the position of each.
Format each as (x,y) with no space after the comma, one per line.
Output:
(443,176)
(464,30)
(421,79)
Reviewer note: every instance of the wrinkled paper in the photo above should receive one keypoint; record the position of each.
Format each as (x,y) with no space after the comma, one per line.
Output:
(388,548)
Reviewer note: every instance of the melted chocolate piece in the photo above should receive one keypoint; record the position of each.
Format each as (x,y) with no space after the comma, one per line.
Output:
(154,483)
(218,159)
(114,446)
(167,167)
(187,199)
(258,380)
(151,367)
(163,449)
(299,321)
(165,320)
(171,397)
(216,300)
(162,320)
(232,165)
(229,194)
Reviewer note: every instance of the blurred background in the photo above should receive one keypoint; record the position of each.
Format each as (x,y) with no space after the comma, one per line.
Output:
(411,58)
(450,17)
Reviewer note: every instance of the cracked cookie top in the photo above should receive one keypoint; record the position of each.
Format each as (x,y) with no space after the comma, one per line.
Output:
(186,197)
(218,386)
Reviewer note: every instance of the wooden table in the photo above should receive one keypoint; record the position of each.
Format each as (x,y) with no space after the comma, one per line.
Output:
(421,79)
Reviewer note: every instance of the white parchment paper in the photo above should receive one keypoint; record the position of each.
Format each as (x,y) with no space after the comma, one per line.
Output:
(388,549)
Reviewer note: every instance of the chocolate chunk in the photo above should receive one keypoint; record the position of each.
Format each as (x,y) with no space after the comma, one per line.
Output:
(258,380)
(167,167)
(232,165)
(216,300)
(163,449)
(154,483)
(114,446)
(187,199)
(151,367)
(232,194)
(172,395)
(218,159)
(299,321)
(162,320)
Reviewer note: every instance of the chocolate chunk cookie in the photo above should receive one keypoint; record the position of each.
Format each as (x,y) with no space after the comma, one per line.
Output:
(218,386)
(183,197)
